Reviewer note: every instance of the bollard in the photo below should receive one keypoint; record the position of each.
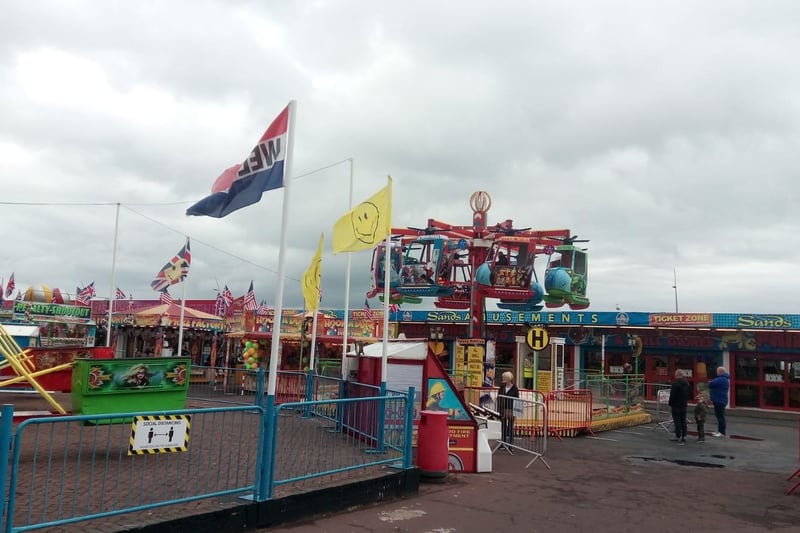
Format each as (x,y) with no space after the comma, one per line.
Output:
(432,446)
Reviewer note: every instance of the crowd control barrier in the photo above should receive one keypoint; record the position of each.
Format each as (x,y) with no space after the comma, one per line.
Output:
(524,427)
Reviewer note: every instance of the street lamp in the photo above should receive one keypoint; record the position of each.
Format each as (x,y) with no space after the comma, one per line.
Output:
(675,287)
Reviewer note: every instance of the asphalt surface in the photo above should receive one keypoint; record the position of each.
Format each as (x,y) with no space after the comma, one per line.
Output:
(626,480)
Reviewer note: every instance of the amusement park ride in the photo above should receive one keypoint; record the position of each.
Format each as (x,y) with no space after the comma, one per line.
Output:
(461,266)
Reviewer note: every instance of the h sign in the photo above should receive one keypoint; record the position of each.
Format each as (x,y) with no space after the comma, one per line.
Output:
(537,338)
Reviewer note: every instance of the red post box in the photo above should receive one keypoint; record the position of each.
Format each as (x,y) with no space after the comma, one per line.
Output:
(432,445)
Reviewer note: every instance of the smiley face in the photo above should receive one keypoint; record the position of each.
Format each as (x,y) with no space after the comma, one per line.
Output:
(312,280)
(364,219)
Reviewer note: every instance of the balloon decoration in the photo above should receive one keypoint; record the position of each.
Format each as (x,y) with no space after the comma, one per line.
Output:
(253,354)
(44,294)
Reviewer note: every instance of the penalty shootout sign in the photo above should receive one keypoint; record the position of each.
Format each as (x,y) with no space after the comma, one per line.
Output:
(537,338)
(159,434)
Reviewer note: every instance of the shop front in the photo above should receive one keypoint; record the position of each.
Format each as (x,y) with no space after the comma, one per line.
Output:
(761,352)
(54,335)
(155,331)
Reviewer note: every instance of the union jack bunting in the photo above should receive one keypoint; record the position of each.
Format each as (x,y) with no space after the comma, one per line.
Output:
(120,295)
(394,308)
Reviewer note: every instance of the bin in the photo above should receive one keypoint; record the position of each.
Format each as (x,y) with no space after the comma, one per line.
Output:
(432,445)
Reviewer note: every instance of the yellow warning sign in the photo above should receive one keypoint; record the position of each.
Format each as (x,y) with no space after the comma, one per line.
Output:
(537,338)
(159,434)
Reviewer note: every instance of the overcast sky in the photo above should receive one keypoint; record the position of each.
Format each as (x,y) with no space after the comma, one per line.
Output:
(667,133)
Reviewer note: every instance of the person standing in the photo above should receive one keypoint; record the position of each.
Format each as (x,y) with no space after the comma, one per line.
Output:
(718,390)
(527,370)
(505,406)
(700,417)
(678,402)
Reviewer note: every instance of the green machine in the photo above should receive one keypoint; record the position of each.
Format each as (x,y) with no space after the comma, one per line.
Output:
(102,386)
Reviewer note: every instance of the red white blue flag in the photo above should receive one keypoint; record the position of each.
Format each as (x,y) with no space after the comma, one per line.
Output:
(175,270)
(263,309)
(11,285)
(242,185)
(227,296)
(85,294)
(120,295)
(219,305)
(250,303)
(166,297)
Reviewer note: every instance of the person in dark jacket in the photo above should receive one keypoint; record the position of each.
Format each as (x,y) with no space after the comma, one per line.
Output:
(505,406)
(679,395)
(718,389)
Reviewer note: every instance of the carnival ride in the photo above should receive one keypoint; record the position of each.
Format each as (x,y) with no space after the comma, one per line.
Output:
(461,266)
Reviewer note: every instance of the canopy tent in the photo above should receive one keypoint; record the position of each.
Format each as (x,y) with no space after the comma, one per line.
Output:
(168,315)
(173,310)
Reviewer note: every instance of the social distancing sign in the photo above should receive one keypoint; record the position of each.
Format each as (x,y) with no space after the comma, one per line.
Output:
(159,434)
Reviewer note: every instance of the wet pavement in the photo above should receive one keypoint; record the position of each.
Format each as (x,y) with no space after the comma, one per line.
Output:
(633,479)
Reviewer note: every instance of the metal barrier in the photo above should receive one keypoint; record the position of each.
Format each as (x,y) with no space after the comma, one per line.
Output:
(356,447)
(524,427)
(67,469)
(245,387)
(616,394)
(569,412)
(663,414)
(71,468)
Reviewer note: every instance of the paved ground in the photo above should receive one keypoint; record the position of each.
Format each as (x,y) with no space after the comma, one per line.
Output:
(628,480)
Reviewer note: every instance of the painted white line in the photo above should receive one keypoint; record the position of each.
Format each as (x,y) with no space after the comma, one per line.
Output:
(601,438)
(627,432)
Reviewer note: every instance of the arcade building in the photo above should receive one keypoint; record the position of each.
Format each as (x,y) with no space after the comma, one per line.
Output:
(760,351)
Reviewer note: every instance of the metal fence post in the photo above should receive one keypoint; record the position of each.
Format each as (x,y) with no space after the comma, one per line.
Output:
(266,470)
(409,425)
(381,447)
(340,411)
(309,391)
(260,379)
(6,427)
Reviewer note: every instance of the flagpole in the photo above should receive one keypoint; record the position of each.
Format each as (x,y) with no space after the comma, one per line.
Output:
(311,357)
(346,332)
(276,330)
(111,292)
(183,308)
(386,294)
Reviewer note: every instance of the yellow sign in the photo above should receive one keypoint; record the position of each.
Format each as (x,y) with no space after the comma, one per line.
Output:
(537,338)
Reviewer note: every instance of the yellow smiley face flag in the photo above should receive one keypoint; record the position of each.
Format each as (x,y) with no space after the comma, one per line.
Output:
(364,227)
(312,279)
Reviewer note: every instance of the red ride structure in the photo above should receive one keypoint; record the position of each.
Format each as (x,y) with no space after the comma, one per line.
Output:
(462,266)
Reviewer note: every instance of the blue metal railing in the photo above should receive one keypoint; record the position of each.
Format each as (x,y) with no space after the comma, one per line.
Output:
(65,469)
